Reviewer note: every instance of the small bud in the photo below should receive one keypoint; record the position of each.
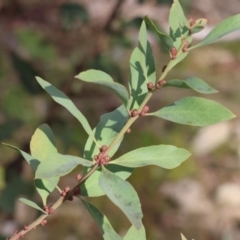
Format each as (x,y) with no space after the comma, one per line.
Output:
(103,148)
(44,222)
(134,113)
(70,198)
(107,158)
(66,189)
(15,232)
(34,228)
(46,208)
(142,113)
(78,177)
(51,211)
(150,86)
(25,228)
(63,193)
(146,108)
(163,68)
(158,85)
(20,236)
(192,22)
(173,50)
(95,157)
(129,130)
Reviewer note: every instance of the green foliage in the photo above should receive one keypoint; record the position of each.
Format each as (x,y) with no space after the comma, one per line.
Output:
(193,83)
(101,174)
(122,194)
(31,204)
(165,156)
(102,78)
(102,221)
(194,111)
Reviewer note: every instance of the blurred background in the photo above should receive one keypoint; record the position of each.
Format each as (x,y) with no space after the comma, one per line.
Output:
(58,39)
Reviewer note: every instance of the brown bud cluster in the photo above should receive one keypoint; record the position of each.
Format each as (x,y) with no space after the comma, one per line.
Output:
(144,110)
(185,47)
(134,113)
(160,83)
(25,228)
(102,159)
(150,86)
(103,148)
(76,191)
(173,52)
(192,22)
(49,210)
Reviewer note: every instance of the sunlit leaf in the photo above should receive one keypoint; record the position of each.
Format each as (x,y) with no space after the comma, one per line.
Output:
(146,56)
(31,204)
(58,165)
(227,26)
(165,156)
(193,83)
(122,194)
(134,234)
(199,25)
(194,111)
(164,38)
(63,100)
(102,78)
(102,221)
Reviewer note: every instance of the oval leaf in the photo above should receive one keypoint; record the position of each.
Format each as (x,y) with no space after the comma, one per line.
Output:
(194,111)
(164,38)
(102,78)
(165,156)
(31,204)
(134,234)
(228,25)
(191,83)
(122,194)
(58,165)
(102,221)
(63,100)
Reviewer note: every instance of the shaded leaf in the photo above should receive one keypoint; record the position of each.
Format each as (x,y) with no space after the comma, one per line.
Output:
(31,204)
(191,83)
(63,100)
(102,221)
(57,165)
(227,26)
(165,156)
(134,233)
(137,83)
(91,187)
(109,126)
(146,56)
(123,195)
(102,78)
(199,25)
(164,38)
(194,111)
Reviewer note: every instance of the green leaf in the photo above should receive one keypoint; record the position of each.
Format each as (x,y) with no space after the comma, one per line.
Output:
(137,84)
(102,78)
(134,234)
(44,187)
(228,25)
(31,204)
(165,156)
(123,195)
(164,38)
(91,187)
(146,56)
(175,27)
(183,238)
(109,126)
(184,23)
(102,221)
(191,83)
(63,100)
(174,62)
(58,165)
(194,111)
